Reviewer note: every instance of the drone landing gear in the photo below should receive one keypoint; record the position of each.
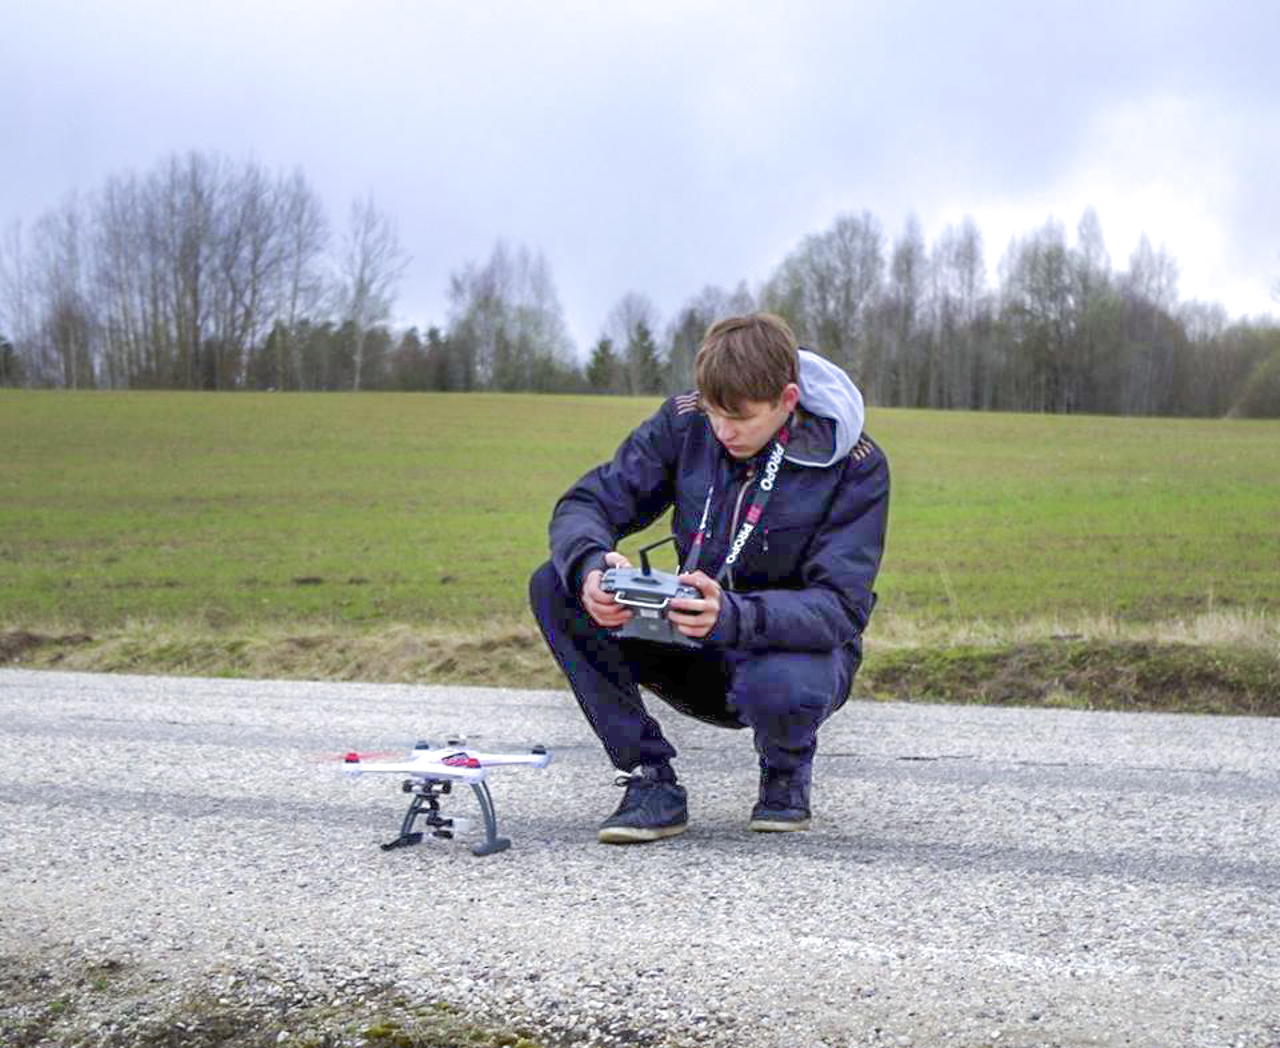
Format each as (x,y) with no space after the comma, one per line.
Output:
(426,805)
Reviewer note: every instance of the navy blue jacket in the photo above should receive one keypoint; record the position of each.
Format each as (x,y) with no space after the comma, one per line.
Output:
(803,582)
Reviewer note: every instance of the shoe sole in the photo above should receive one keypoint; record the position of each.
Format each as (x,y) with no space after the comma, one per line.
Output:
(778,825)
(635,835)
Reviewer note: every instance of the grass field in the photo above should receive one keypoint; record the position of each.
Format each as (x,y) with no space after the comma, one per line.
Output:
(288,512)
(433,509)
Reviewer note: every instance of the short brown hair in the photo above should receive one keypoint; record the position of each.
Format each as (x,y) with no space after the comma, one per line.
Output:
(751,357)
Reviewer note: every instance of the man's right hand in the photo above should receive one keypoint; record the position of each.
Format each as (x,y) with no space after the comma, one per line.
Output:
(603,609)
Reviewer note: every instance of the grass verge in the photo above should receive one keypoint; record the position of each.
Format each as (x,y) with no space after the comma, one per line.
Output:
(1215,662)
(1082,674)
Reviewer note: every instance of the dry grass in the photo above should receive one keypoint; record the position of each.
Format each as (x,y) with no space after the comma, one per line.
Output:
(1248,630)
(1225,662)
(1216,661)
(509,654)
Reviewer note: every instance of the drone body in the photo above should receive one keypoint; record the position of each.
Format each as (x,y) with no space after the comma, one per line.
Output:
(430,773)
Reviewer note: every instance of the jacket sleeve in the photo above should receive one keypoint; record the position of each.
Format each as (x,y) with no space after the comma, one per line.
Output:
(835,602)
(617,499)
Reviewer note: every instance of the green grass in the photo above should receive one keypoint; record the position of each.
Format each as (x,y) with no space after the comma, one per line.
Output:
(431,509)
(281,508)
(1003,516)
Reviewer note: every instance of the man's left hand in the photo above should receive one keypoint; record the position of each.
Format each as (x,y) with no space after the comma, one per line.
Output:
(697,617)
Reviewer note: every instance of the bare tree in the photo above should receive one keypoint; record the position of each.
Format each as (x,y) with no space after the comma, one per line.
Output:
(1153,274)
(188,191)
(306,235)
(506,328)
(827,288)
(249,251)
(1098,325)
(66,323)
(1206,325)
(478,297)
(136,287)
(18,307)
(1037,317)
(201,273)
(692,320)
(120,289)
(541,338)
(369,269)
(631,325)
(962,317)
(1151,294)
(192,266)
(173,278)
(901,359)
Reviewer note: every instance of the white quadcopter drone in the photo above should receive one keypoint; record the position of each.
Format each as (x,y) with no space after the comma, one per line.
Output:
(430,774)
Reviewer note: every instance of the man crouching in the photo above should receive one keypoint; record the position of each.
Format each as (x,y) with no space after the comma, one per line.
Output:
(780,507)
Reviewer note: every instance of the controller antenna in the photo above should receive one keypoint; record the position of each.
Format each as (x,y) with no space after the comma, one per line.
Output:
(645,570)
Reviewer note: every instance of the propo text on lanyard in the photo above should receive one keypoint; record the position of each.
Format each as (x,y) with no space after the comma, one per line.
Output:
(754,512)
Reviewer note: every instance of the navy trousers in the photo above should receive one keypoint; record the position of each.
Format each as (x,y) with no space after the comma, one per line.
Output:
(783,696)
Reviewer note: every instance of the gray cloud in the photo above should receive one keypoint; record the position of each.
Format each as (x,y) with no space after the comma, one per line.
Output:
(658,147)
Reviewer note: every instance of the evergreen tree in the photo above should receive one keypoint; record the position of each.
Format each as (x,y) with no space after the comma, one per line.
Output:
(437,364)
(644,367)
(264,366)
(10,364)
(375,358)
(602,371)
(409,363)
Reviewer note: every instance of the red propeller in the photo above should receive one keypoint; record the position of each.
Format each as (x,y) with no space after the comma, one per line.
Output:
(358,755)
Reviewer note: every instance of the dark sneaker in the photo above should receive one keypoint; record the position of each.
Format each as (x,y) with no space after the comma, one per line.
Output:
(653,807)
(784,802)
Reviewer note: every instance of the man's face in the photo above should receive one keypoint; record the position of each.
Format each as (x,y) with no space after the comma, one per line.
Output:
(745,431)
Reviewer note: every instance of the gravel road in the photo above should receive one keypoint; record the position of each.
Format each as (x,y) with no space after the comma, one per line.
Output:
(975,876)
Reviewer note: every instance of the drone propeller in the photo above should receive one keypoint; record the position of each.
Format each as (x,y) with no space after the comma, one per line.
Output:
(361,755)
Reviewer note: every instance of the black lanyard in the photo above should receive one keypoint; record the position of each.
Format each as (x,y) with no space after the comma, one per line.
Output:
(754,511)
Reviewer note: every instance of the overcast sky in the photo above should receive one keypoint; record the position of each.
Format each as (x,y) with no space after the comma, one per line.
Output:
(661,146)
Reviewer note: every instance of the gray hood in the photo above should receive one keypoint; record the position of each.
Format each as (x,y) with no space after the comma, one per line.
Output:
(827,394)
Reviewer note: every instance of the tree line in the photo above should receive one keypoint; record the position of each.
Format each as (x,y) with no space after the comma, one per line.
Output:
(204,274)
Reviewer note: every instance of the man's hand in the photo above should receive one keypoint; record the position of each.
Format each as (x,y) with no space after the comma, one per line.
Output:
(601,606)
(696,618)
